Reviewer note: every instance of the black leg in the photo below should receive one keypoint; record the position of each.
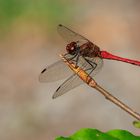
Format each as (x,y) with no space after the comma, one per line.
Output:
(77,59)
(76,55)
(71,58)
(92,64)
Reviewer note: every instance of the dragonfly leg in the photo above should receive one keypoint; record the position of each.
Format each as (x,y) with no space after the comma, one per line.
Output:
(77,59)
(72,58)
(92,64)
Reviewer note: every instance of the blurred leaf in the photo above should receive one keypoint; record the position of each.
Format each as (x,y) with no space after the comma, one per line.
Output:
(136,124)
(94,134)
(46,10)
(10,9)
(45,13)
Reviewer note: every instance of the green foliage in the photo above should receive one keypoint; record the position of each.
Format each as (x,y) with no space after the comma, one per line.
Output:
(51,11)
(94,134)
(46,14)
(10,8)
(136,124)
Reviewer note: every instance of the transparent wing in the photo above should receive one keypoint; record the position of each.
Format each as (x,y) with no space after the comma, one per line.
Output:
(57,71)
(71,36)
(74,81)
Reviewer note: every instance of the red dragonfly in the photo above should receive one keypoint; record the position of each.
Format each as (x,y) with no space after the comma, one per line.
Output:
(84,54)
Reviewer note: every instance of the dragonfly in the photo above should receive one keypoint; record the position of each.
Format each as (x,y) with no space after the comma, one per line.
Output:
(84,54)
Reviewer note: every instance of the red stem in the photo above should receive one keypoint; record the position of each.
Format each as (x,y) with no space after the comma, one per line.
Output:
(106,55)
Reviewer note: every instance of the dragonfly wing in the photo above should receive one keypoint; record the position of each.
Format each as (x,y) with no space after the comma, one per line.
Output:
(96,62)
(72,82)
(71,36)
(57,71)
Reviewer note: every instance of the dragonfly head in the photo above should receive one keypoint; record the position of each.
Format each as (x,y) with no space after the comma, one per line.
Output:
(72,48)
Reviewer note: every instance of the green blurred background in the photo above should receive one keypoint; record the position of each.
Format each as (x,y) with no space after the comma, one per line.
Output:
(29,41)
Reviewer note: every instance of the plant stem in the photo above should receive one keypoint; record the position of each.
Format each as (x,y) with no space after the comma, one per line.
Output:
(92,83)
(116,101)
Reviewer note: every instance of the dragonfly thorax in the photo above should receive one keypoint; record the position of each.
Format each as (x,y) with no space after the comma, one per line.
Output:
(71,48)
(89,50)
